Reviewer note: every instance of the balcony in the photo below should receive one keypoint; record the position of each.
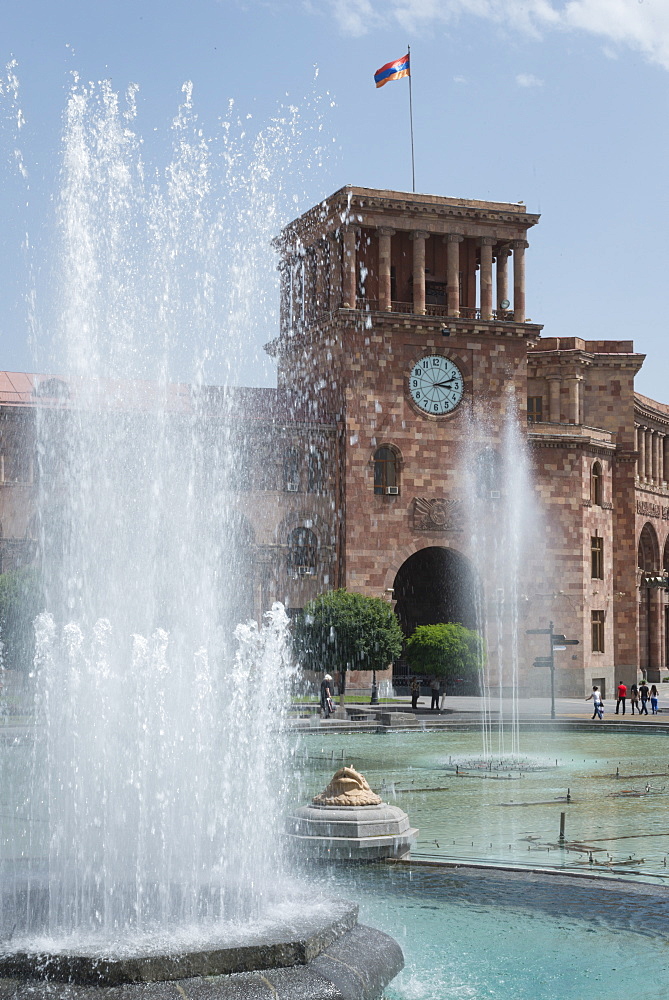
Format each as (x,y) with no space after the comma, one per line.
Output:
(433,309)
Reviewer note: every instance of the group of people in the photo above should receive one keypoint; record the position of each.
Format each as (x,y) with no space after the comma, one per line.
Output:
(437,693)
(639,697)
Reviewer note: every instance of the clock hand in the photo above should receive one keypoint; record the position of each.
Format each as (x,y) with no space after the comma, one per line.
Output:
(441,385)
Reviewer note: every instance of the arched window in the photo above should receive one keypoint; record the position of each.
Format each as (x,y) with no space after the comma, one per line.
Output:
(315,475)
(302,552)
(291,471)
(596,485)
(648,552)
(386,479)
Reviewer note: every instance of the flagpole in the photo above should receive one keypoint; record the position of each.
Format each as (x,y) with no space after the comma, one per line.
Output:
(413,166)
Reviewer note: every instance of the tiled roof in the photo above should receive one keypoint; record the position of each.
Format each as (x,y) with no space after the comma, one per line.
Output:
(276,406)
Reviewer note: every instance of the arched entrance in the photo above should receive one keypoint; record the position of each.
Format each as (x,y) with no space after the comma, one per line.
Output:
(435,585)
(648,562)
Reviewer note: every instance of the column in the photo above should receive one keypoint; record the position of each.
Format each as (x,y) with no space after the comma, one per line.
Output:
(519,248)
(453,241)
(319,266)
(419,271)
(649,454)
(641,448)
(661,467)
(574,383)
(284,296)
(666,456)
(656,457)
(385,257)
(486,244)
(349,276)
(554,386)
(334,277)
(502,269)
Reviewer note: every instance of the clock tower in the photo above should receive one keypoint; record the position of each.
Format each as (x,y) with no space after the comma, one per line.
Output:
(404,315)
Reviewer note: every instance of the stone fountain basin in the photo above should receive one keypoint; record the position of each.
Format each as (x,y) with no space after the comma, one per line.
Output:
(272,945)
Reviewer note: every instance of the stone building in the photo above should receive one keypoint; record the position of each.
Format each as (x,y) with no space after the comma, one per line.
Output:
(404,355)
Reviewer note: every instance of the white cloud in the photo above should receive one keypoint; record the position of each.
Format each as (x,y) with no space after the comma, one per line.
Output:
(642,25)
(528,80)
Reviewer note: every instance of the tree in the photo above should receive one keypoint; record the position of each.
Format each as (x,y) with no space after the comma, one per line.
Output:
(340,630)
(20,603)
(447,650)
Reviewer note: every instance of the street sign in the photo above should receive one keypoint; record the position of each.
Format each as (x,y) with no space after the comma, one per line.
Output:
(538,631)
(571,642)
(558,638)
(543,661)
(559,647)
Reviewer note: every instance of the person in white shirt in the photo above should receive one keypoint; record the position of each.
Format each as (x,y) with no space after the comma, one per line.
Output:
(597,702)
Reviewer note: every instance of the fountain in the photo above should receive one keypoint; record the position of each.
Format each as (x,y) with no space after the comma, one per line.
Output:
(150,844)
(501,524)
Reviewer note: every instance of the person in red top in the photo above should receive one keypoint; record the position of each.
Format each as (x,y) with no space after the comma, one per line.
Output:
(622,696)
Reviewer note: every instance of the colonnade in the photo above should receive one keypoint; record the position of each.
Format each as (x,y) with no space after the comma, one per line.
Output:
(325,275)
(652,465)
(488,251)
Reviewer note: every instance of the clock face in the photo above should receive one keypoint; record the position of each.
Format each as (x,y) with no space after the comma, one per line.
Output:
(436,384)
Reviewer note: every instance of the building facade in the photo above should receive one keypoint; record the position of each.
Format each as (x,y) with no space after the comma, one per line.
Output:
(404,356)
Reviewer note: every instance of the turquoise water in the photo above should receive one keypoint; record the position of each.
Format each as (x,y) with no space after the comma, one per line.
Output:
(524,941)
(495,935)
(614,824)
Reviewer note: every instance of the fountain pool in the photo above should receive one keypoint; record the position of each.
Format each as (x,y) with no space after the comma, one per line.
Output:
(558,924)
(512,817)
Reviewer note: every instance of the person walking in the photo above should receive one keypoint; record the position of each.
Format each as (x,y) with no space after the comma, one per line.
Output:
(644,693)
(415,693)
(597,703)
(654,696)
(434,691)
(634,699)
(622,696)
(327,703)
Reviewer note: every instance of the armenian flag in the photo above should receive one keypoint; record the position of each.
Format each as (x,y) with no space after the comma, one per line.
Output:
(392,71)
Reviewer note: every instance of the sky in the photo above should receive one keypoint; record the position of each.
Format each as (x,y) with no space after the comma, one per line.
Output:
(561,105)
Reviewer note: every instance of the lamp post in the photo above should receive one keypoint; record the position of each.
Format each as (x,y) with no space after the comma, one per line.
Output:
(374,700)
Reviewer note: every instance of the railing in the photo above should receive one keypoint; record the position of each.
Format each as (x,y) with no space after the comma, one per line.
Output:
(432,309)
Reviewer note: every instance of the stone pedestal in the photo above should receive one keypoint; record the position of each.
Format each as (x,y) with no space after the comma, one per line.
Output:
(358,833)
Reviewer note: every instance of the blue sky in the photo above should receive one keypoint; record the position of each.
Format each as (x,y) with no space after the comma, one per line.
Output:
(561,105)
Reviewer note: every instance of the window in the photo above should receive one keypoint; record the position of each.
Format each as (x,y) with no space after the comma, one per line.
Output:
(535,409)
(315,473)
(302,549)
(597,627)
(291,471)
(385,471)
(596,485)
(597,557)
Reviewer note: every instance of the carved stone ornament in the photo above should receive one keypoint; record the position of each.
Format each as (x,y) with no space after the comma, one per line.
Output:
(347,788)
(435,514)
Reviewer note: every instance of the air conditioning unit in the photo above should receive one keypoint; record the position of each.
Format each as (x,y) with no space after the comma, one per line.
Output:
(392,491)
(292,487)
(306,570)
(495,495)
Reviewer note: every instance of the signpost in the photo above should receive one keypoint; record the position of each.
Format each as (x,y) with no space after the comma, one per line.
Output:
(557,642)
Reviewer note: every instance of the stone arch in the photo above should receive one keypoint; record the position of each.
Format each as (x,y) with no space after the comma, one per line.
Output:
(648,563)
(648,550)
(436,584)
